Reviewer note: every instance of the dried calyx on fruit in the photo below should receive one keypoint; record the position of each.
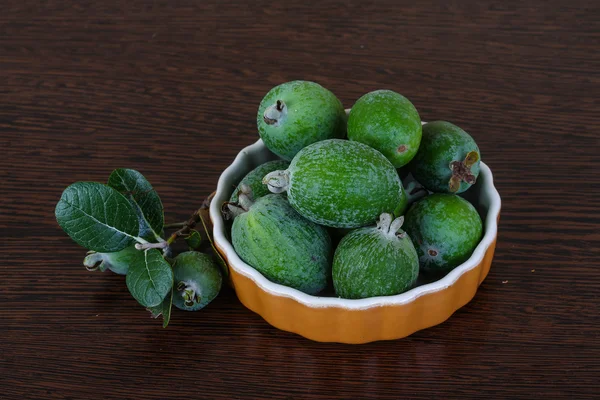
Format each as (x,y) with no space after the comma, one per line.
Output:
(448,159)
(461,171)
(254,179)
(275,113)
(245,199)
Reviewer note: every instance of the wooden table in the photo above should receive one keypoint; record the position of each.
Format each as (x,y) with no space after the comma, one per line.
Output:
(171,88)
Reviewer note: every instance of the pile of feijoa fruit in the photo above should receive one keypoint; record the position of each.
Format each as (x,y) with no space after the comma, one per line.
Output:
(338,176)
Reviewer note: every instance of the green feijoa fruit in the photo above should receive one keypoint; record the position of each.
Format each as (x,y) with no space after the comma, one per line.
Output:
(447,160)
(254,179)
(388,122)
(340,184)
(445,230)
(117,262)
(402,205)
(282,245)
(197,280)
(297,113)
(375,261)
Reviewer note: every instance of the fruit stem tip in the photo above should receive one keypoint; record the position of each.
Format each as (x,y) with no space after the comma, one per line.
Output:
(275,113)
(277,181)
(388,226)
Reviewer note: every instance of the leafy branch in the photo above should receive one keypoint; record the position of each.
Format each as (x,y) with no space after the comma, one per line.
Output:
(122,224)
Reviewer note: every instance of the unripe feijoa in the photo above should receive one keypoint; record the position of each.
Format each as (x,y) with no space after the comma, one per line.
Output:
(282,245)
(254,179)
(197,280)
(388,122)
(445,230)
(118,262)
(447,160)
(375,261)
(297,113)
(340,184)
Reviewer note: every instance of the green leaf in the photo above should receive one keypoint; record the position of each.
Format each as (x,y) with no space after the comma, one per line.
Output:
(163,309)
(149,278)
(143,198)
(194,240)
(97,217)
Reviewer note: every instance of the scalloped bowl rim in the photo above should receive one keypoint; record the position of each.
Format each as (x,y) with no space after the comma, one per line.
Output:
(235,262)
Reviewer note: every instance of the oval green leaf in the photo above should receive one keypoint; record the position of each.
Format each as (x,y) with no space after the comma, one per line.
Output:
(194,240)
(149,278)
(163,309)
(142,196)
(97,217)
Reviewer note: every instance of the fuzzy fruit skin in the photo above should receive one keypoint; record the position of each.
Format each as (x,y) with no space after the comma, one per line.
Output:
(388,122)
(254,179)
(117,262)
(441,144)
(403,204)
(313,114)
(445,230)
(343,184)
(368,263)
(282,245)
(199,268)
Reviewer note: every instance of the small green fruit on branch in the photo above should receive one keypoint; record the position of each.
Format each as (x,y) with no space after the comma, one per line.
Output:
(118,262)
(197,280)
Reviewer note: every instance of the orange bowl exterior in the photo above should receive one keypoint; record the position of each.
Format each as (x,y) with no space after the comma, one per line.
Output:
(337,324)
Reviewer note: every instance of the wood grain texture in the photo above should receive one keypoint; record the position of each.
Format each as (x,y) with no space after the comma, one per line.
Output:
(171,88)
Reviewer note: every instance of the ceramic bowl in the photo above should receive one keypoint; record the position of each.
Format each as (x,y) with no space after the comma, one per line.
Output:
(332,319)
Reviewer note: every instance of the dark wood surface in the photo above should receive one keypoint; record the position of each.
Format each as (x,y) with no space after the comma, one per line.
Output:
(171,88)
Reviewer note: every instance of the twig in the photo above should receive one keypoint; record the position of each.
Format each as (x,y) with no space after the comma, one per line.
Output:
(146,246)
(175,225)
(192,222)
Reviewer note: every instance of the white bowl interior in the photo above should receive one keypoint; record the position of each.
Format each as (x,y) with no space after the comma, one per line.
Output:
(483,195)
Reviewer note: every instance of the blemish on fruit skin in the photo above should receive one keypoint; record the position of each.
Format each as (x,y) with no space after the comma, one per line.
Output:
(432,253)
(402,148)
